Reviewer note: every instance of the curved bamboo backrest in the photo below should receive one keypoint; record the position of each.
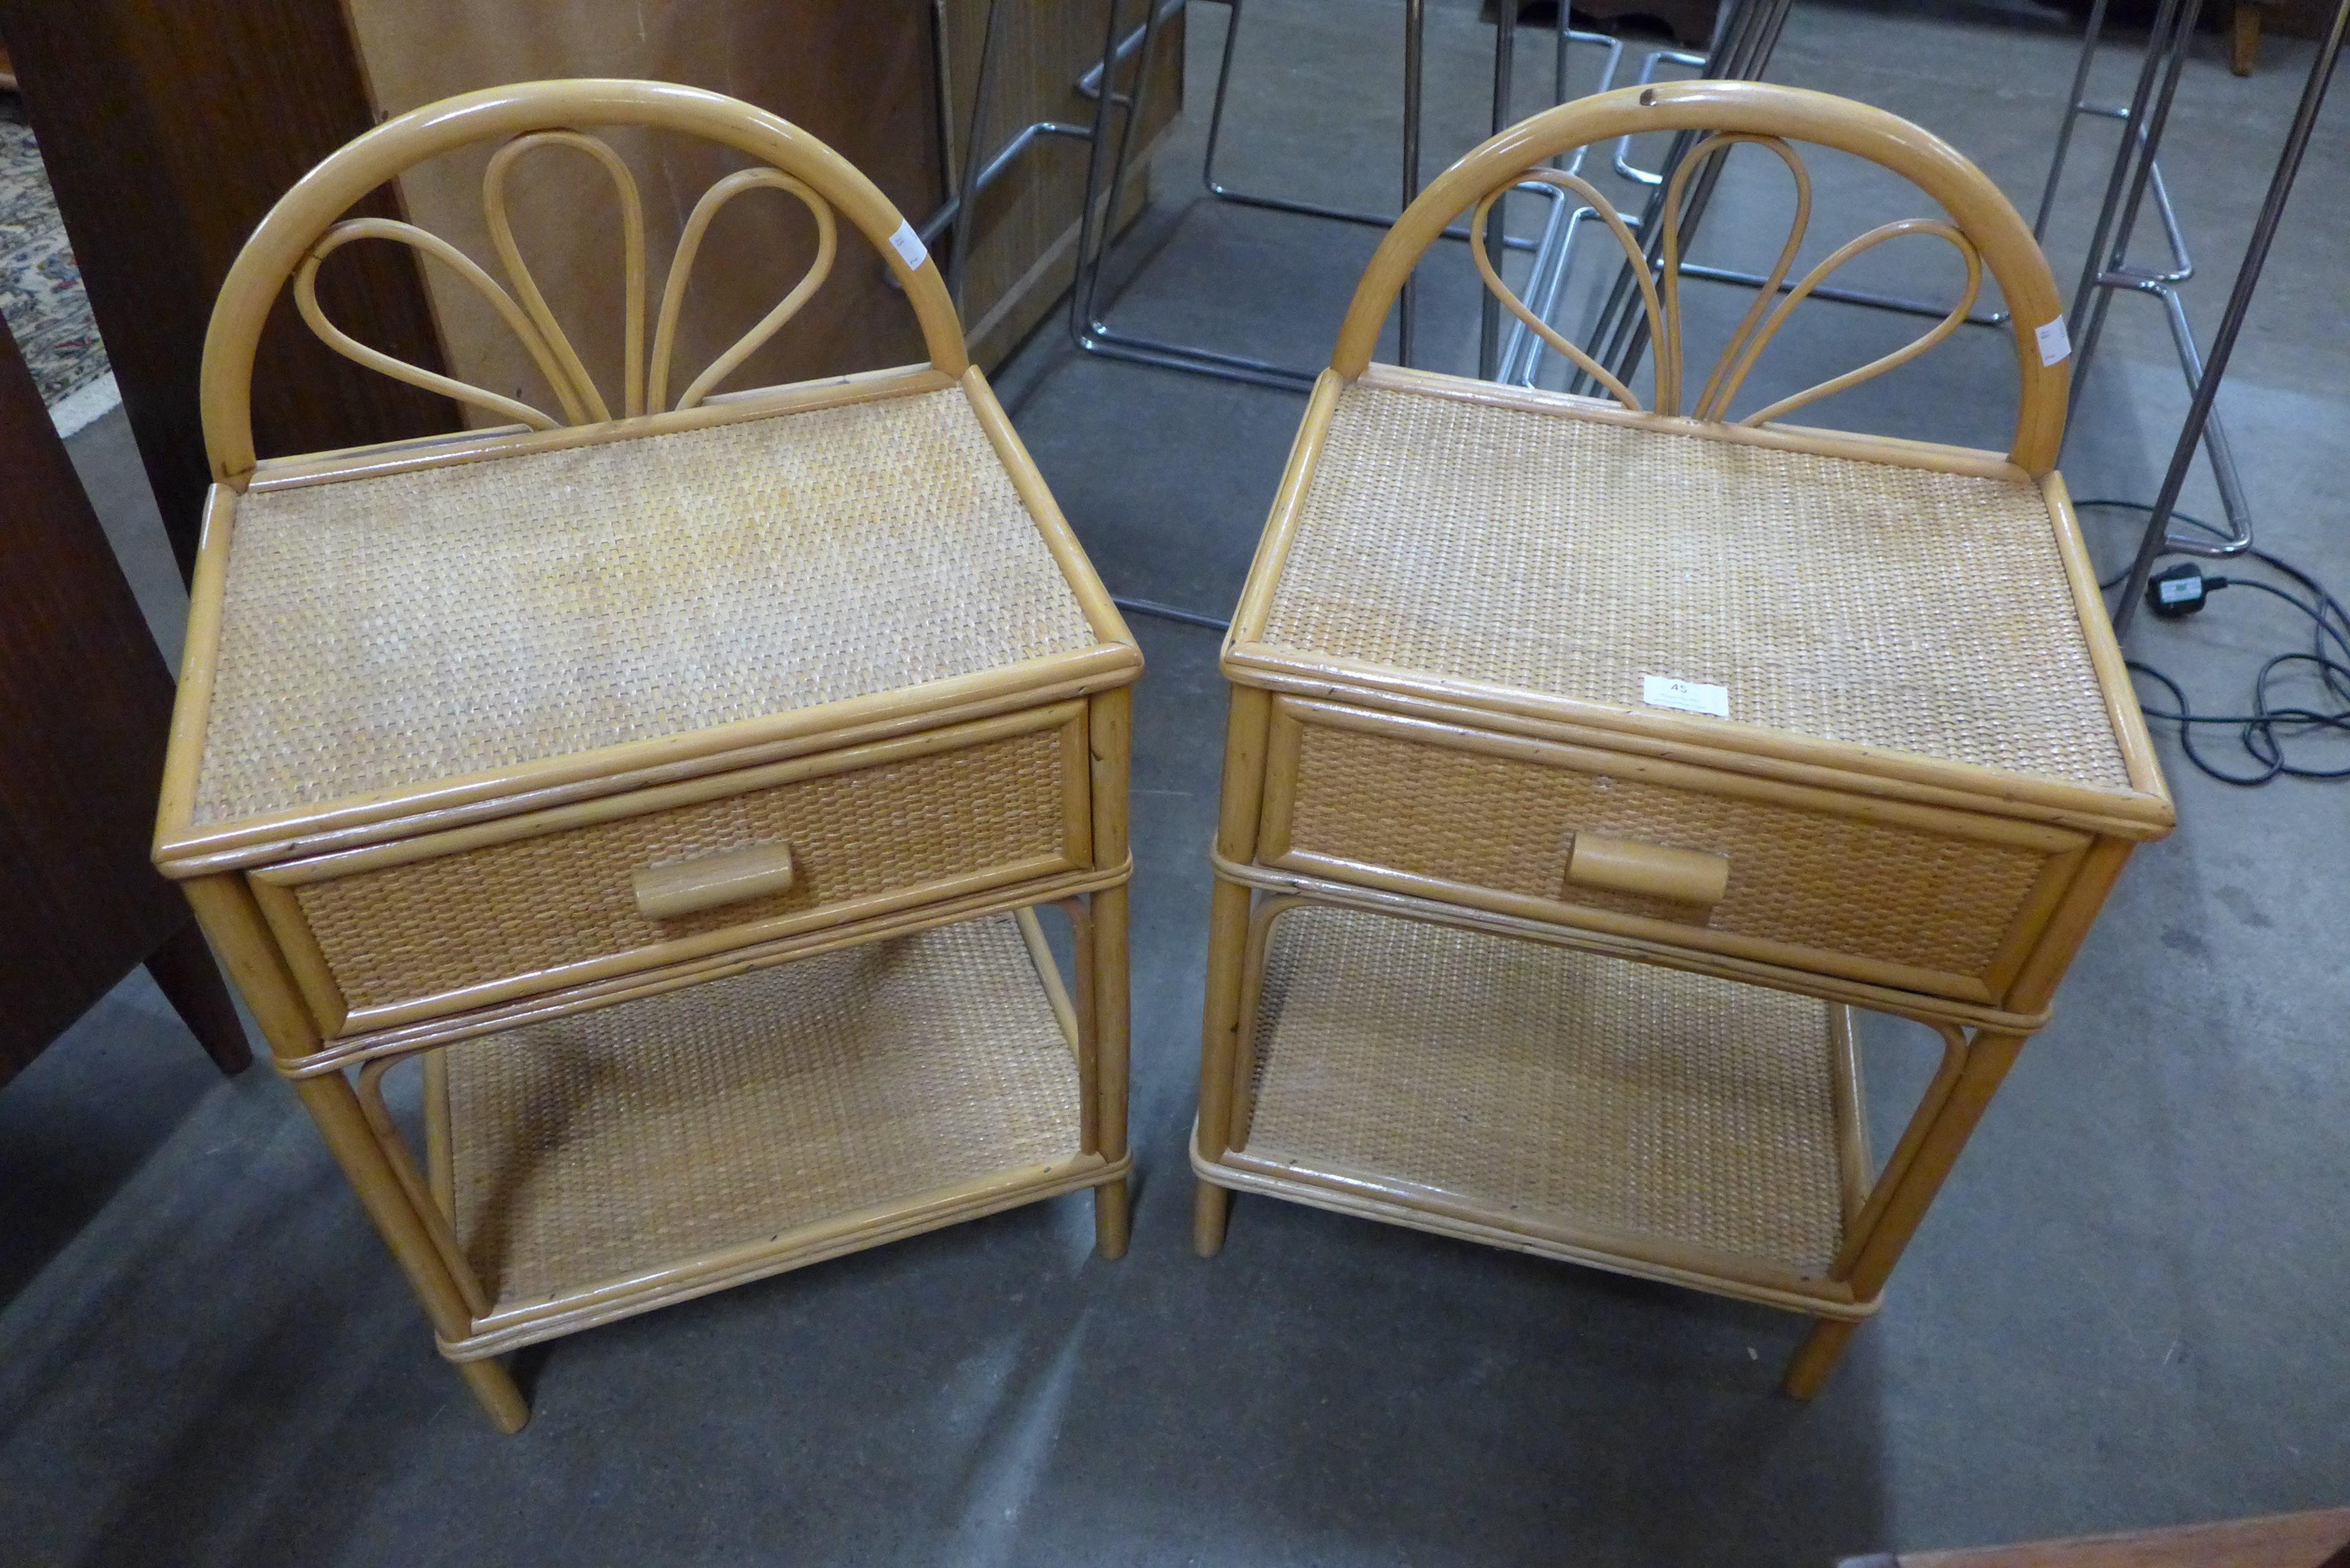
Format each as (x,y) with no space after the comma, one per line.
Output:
(302,229)
(1984,229)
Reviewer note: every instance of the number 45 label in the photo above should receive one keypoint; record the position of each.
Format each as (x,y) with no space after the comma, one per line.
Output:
(1689,696)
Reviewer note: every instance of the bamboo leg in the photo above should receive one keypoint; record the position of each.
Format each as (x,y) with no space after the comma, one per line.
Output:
(1110,1018)
(1087,1001)
(1109,726)
(1822,1348)
(334,1108)
(1220,1034)
(233,921)
(1110,1220)
(1989,1055)
(1236,824)
(421,1200)
(1212,1209)
(1219,1046)
(1110,1028)
(493,1386)
(234,925)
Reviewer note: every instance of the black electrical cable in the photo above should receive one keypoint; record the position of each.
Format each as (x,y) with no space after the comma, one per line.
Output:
(1172,612)
(2263,731)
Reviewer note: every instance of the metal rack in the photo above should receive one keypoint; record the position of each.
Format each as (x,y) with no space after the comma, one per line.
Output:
(2108,272)
(1089,328)
(1742,49)
(2201,422)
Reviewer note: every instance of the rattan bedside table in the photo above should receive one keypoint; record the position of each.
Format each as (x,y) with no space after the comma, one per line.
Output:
(679,787)
(1526,686)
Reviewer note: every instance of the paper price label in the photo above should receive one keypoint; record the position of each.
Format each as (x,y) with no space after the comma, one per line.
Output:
(909,246)
(2055,343)
(1689,696)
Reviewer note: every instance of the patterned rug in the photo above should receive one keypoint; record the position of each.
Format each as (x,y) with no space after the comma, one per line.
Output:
(40,287)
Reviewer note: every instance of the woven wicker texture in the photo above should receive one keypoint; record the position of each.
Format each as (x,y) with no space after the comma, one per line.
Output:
(1569,557)
(386,633)
(531,904)
(662,1130)
(1535,1082)
(1869,889)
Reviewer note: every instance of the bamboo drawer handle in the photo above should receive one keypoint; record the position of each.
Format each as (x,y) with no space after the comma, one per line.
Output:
(1624,866)
(706,881)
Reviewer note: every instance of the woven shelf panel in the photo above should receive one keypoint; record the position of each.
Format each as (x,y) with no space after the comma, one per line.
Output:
(379,633)
(1582,1090)
(531,904)
(1849,601)
(1837,883)
(662,1130)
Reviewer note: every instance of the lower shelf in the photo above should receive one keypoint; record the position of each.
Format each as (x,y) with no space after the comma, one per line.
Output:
(1642,1119)
(599,1165)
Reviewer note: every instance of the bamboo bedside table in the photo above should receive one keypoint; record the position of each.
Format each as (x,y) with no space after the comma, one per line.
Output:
(678,787)
(1588,763)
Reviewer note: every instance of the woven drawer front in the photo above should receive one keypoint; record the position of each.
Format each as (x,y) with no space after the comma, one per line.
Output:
(533,905)
(1882,892)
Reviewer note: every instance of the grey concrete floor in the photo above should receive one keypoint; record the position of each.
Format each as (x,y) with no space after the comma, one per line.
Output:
(2125,1310)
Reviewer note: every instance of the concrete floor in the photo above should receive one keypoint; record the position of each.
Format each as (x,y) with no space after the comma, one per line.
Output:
(2125,1311)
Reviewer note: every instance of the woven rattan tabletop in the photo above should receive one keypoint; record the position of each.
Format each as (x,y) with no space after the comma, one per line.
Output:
(1848,601)
(385,632)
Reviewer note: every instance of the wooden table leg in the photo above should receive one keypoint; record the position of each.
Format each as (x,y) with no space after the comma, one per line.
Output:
(493,1386)
(1228,919)
(1103,974)
(1110,1049)
(1822,1349)
(1219,1044)
(1212,1208)
(231,919)
(189,979)
(1989,1055)
(333,1105)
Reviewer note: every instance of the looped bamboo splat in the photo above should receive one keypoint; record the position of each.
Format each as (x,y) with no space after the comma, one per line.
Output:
(1661,297)
(644,389)
(308,224)
(1981,226)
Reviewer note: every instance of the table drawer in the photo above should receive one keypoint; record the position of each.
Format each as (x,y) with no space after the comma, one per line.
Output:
(402,932)
(1894,893)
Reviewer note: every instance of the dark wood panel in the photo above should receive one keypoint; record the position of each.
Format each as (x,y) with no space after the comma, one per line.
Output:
(2319,1540)
(169,129)
(85,702)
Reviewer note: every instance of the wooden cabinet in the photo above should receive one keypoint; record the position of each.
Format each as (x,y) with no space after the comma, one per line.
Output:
(85,702)
(169,130)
